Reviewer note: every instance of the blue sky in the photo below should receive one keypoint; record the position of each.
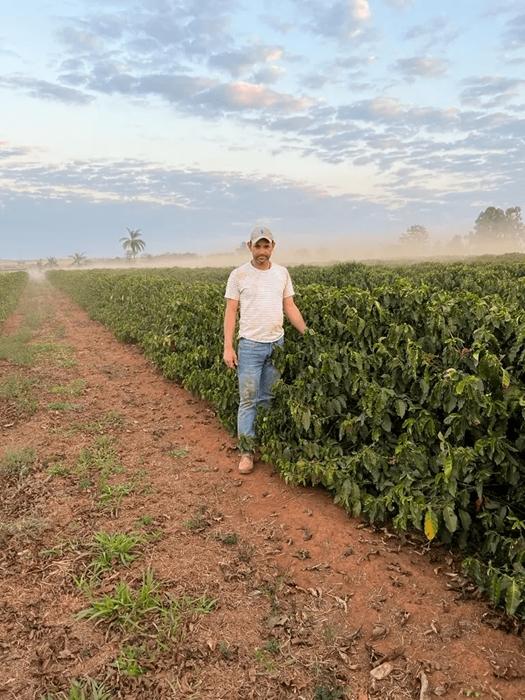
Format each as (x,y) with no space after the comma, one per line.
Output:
(193,120)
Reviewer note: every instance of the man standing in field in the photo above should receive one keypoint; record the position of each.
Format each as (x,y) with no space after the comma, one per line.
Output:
(264,292)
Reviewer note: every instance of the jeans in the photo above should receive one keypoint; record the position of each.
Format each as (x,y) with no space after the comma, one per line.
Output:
(257,375)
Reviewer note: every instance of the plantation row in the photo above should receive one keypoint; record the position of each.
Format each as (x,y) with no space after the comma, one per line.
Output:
(406,401)
(505,276)
(11,285)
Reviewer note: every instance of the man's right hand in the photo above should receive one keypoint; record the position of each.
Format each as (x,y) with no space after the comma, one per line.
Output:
(230,358)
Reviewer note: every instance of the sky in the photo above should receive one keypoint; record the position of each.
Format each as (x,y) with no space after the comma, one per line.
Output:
(194,120)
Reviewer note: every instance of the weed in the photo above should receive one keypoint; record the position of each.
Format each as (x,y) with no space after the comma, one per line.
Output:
(63,406)
(265,659)
(21,530)
(145,520)
(272,646)
(328,692)
(18,389)
(145,609)
(229,538)
(114,548)
(57,551)
(101,457)
(179,452)
(16,464)
(58,469)
(111,495)
(75,388)
(109,420)
(245,553)
(127,662)
(87,689)
(199,521)
(226,651)
(14,348)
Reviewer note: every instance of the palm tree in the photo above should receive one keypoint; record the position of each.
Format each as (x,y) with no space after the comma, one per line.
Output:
(132,243)
(78,258)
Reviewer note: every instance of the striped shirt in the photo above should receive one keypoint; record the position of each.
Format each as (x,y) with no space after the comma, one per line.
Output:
(261,294)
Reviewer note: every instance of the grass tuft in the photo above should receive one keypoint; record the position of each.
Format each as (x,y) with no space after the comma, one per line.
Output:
(16,464)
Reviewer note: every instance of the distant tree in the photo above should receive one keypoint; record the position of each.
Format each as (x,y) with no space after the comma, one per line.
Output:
(51,262)
(496,224)
(132,243)
(414,234)
(78,258)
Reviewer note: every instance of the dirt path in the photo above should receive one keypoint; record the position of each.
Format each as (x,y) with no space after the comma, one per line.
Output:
(278,594)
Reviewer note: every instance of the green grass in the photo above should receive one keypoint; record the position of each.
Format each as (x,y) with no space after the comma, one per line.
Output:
(19,391)
(111,495)
(108,421)
(108,551)
(15,348)
(101,457)
(179,452)
(147,610)
(199,521)
(128,661)
(16,464)
(86,689)
(58,469)
(77,387)
(63,406)
(229,538)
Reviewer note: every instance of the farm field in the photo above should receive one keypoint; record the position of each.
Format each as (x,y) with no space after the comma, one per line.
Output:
(137,564)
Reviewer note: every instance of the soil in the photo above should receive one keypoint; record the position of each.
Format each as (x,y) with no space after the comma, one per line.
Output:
(301,600)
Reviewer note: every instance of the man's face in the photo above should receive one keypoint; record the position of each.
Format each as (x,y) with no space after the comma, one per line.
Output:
(261,250)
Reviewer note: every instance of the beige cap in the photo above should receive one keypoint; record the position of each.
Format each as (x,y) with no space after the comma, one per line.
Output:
(260,232)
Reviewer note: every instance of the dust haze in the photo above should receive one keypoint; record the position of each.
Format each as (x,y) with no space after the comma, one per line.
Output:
(319,253)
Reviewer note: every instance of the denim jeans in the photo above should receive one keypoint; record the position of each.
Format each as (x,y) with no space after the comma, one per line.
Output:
(257,375)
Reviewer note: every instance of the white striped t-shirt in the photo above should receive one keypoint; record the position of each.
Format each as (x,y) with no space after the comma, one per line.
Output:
(261,294)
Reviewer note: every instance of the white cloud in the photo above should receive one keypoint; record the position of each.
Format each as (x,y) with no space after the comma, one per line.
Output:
(421,67)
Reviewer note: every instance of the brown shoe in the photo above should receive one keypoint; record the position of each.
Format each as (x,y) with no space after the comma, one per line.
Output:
(246,463)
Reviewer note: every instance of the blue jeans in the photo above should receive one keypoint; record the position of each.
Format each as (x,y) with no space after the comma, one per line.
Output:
(257,375)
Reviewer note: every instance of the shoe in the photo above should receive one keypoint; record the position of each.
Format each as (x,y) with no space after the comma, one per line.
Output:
(246,463)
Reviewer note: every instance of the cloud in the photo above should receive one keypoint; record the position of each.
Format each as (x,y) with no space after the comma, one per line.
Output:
(435,31)
(44,90)
(399,3)
(490,91)
(240,61)
(341,20)
(514,34)
(421,67)
(177,209)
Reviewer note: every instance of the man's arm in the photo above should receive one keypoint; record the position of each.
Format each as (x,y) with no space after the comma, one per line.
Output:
(293,314)
(230,319)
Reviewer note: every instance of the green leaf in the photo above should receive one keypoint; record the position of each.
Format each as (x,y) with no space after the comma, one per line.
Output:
(512,598)
(505,379)
(447,469)
(401,407)
(305,420)
(450,518)
(494,589)
(431,524)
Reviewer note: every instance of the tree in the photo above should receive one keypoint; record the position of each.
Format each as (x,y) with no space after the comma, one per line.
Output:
(132,243)
(78,258)
(51,262)
(495,224)
(415,234)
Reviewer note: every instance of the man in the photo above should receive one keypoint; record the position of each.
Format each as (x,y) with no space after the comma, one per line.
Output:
(263,290)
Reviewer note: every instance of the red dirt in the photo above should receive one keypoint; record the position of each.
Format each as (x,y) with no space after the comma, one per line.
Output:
(330,597)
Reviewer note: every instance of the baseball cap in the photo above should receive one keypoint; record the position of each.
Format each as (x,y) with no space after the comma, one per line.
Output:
(261,232)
